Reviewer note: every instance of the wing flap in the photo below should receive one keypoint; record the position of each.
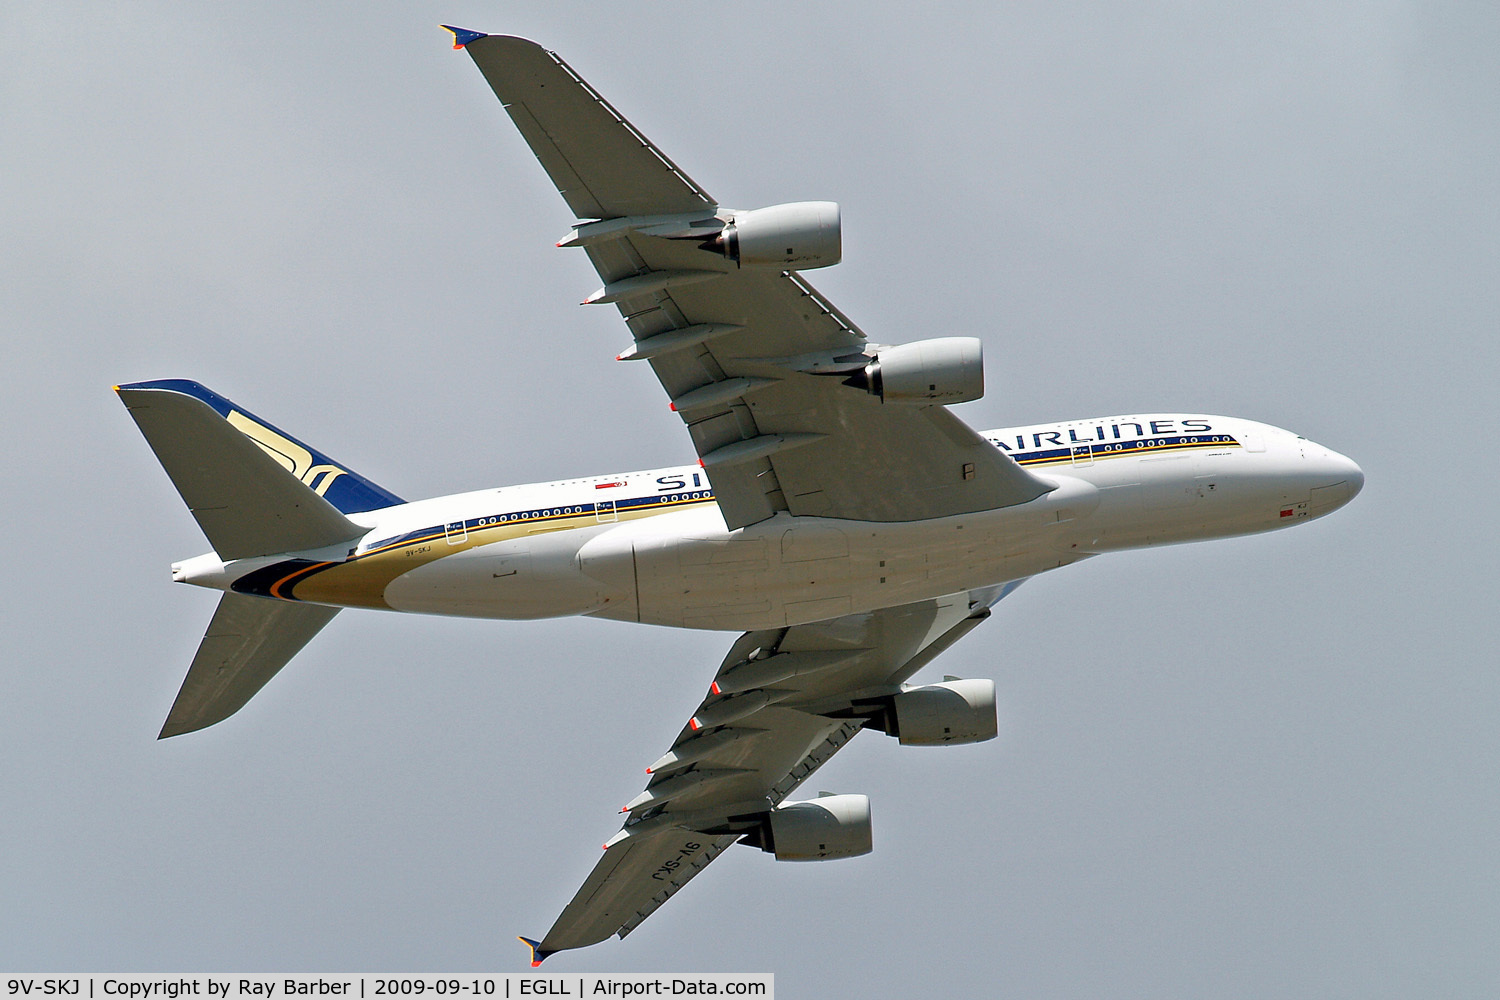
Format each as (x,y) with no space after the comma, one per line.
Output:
(875,461)
(872,460)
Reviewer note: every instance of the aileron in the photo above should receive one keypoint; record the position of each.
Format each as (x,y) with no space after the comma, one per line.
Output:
(600,164)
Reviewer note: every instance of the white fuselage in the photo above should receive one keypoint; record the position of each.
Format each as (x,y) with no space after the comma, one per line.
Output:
(651,546)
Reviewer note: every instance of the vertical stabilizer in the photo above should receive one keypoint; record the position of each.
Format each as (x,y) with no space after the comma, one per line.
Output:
(253,489)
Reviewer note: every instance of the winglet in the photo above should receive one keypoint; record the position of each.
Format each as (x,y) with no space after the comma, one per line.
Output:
(462,37)
(537,955)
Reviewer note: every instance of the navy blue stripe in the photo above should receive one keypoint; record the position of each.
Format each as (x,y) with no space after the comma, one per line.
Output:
(259,582)
(1109,449)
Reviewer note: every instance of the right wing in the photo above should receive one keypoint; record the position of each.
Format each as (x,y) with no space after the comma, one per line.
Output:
(754,359)
(602,166)
(783,702)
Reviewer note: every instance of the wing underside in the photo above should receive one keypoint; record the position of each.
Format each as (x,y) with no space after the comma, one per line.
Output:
(602,166)
(745,353)
(783,702)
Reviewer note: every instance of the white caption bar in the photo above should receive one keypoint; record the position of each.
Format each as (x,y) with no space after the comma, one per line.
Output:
(360,986)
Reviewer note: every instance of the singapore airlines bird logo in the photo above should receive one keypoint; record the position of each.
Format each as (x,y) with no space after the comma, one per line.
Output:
(296,459)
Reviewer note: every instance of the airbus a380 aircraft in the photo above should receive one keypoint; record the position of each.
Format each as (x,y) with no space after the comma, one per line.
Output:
(839,515)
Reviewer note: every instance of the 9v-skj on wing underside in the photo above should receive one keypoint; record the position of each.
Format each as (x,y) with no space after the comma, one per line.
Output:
(783,702)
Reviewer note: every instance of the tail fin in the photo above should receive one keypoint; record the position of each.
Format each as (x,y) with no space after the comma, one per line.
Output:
(248,641)
(253,489)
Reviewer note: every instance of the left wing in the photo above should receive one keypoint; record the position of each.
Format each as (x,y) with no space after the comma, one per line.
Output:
(783,702)
(248,640)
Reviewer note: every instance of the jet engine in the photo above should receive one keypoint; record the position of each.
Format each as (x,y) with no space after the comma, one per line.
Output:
(798,236)
(945,370)
(830,826)
(955,711)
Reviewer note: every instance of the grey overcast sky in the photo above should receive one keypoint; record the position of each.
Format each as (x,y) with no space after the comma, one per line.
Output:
(1261,767)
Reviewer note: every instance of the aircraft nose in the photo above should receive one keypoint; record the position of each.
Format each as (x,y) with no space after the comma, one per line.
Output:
(1356,477)
(1341,480)
(1344,468)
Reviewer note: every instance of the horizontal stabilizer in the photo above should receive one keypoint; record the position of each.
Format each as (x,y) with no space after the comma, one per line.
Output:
(248,640)
(253,490)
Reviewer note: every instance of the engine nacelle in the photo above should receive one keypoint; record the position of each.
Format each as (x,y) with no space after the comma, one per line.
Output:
(831,826)
(957,711)
(945,370)
(797,237)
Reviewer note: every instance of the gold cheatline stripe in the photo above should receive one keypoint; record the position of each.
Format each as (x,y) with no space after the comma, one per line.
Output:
(275,589)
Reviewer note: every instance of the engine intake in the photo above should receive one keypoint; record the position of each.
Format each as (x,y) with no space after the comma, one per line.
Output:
(955,711)
(830,826)
(799,236)
(944,370)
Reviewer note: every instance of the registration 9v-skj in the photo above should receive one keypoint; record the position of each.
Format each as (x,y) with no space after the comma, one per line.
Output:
(43,987)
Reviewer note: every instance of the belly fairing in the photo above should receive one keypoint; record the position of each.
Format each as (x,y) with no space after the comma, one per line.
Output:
(786,570)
